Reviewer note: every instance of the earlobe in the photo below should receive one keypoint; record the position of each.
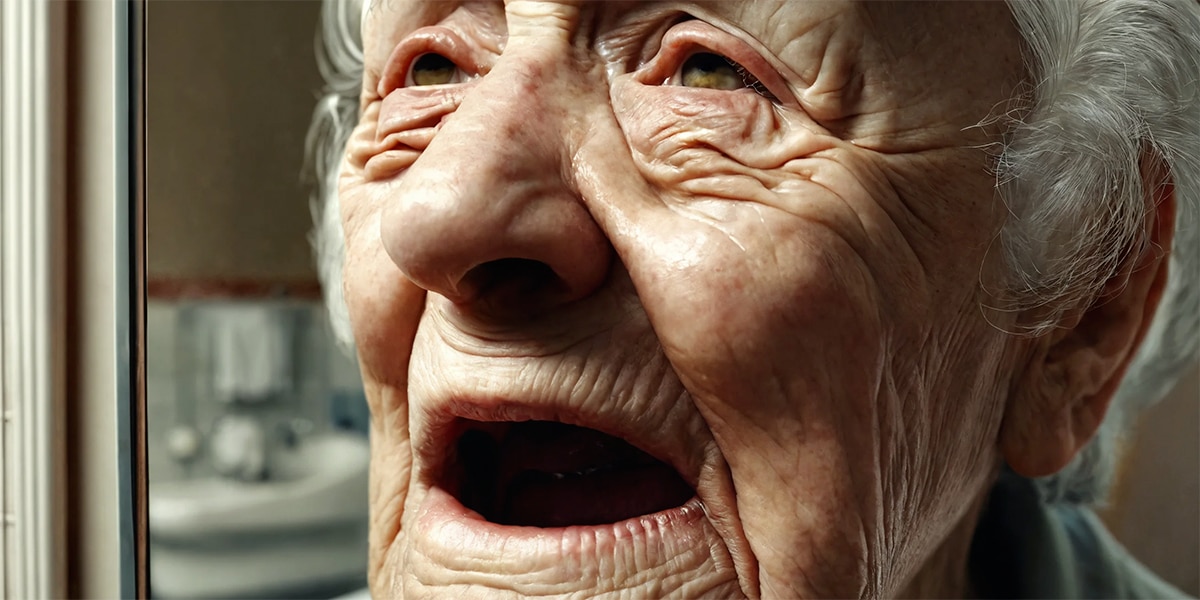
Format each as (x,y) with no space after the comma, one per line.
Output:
(1072,373)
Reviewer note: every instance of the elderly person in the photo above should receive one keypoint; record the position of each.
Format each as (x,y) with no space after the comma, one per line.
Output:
(757,298)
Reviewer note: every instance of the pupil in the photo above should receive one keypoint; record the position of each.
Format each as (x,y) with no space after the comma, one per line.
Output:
(708,70)
(432,69)
(707,62)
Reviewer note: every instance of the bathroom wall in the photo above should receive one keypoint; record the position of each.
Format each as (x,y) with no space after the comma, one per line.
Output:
(262,446)
(327,391)
(231,87)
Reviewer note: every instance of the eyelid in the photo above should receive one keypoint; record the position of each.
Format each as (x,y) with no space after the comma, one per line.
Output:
(428,40)
(692,36)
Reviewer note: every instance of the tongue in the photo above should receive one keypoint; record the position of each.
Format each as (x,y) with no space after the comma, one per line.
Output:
(548,474)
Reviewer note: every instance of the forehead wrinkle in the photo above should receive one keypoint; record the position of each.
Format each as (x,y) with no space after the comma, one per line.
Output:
(593,18)
(388,21)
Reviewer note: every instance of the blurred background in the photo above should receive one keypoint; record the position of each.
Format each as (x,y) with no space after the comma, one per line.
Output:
(257,422)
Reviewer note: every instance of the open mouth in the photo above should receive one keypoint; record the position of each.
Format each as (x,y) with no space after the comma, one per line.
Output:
(550,474)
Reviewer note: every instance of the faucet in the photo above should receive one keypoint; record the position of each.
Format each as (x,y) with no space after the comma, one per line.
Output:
(238,447)
(289,432)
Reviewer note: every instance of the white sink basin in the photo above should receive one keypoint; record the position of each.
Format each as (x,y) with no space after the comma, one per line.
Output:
(320,483)
(305,526)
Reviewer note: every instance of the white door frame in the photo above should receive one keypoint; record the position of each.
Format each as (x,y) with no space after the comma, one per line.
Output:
(32,53)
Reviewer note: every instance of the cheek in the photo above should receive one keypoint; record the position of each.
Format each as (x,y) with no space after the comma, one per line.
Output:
(741,161)
(384,306)
(795,250)
(391,468)
(737,160)
(776,193)
(384,312)
(735,145)
(755,252)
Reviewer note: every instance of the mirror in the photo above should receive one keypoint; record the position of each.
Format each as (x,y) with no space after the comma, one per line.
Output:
(256,420)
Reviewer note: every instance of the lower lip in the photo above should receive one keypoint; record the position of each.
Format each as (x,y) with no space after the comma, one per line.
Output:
(447,531)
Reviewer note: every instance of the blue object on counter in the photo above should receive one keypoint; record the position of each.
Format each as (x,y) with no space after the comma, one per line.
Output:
(348,411)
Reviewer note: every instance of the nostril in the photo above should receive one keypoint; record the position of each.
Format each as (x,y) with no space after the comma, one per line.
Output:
(510,284)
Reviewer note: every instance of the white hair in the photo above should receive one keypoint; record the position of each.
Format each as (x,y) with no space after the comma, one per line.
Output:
(340,60)
(1113,84)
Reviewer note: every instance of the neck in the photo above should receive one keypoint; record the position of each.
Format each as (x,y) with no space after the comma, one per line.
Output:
(944,574)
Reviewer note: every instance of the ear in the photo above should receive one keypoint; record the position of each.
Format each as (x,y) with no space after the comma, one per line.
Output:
(1060,399)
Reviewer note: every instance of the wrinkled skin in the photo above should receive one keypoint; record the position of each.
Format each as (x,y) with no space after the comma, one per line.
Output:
(782,297)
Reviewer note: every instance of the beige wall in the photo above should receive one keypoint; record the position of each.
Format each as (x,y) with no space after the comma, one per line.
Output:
(231,86)
(1156,509)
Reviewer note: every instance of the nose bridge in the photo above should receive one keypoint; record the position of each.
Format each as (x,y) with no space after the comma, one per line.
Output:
(519,107)
(495,183)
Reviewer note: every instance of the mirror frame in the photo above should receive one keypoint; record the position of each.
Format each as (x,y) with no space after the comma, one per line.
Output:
(129,70)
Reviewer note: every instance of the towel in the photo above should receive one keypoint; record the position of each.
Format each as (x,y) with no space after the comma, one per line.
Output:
(252,346)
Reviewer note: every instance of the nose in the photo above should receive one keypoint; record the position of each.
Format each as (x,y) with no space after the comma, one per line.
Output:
(488,216)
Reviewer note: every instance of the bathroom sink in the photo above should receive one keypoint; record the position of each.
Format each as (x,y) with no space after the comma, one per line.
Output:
(321,482)
(302,528)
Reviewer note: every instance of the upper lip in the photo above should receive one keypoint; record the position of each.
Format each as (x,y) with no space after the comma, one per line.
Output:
(447,420)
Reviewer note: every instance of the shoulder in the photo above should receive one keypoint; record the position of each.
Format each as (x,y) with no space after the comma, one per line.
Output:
(1024,548)
(1102,566)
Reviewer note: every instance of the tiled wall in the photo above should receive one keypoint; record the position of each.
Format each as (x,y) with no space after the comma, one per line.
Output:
(180,391)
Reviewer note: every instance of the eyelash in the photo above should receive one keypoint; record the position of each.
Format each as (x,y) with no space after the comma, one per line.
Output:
(398,73)
(749,80)
(689,37)
(675,47)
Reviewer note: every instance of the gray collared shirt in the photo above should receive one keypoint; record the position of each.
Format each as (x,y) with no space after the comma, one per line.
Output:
(1024,548)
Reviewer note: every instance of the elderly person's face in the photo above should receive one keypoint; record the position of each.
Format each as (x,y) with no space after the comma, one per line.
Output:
(679,298)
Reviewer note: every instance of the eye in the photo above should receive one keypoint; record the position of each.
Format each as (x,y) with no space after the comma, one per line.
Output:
(433,69)
(708,70)
(716,72)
